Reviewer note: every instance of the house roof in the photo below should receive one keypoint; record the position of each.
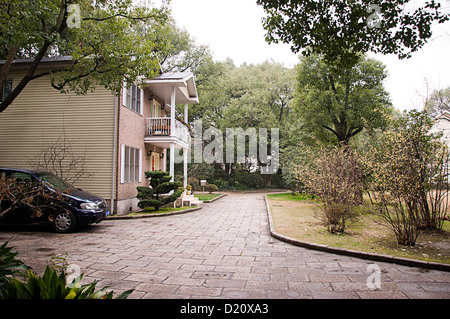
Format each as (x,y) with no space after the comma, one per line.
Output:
(44,59)
(162,85)
(48,62)
(183,82)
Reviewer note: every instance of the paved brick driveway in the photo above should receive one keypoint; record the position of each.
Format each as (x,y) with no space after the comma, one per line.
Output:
(221,251)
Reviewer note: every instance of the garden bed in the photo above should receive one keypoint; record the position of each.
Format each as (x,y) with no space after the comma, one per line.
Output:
(207,197)
(299,217)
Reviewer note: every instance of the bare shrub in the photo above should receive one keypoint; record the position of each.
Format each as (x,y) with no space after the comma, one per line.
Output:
(393,211)
(335,177)
(62,159)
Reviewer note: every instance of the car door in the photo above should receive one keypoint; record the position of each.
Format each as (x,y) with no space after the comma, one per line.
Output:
(4,204)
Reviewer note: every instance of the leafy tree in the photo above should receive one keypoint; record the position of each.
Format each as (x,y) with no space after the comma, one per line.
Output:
(183,54)
(344,102)
(408,169)
(159,184)
(106,40)
(213,88)
(340,30)
(438,102)
(259,96)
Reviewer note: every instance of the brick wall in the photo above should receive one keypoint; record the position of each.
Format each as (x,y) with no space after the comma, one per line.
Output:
(131,132)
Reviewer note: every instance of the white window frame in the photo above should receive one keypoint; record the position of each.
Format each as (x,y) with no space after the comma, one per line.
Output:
(131,164)
(133,98)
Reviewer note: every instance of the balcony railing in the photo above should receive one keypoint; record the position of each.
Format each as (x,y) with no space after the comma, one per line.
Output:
(158,126)
(161,126)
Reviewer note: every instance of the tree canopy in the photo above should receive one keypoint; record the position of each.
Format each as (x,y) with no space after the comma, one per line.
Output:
(438,102)
(106,40)
(343,103)
(339,30)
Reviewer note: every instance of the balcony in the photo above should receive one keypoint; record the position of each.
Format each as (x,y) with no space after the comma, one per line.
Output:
(161,133)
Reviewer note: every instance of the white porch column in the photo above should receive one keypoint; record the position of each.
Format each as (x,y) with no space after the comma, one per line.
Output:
(172,130)
(185,160)
(185,151)
(172,161)
(172,111)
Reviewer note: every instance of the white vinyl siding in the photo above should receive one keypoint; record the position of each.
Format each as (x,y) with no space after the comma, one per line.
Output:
(40,115)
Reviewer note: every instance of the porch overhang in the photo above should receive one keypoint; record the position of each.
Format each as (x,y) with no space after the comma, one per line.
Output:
(184,83)
(165,141)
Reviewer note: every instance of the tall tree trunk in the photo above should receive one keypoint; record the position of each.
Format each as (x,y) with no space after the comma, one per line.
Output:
(8,62)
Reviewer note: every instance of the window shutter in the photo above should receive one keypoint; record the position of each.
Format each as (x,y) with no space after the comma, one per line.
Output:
(141,107)
(140,166)
(122,164)
(124,94)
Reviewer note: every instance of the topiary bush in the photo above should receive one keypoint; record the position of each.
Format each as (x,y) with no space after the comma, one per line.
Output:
(211,188)
(159,184)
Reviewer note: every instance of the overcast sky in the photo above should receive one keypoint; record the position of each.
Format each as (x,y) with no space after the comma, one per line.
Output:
(233,29)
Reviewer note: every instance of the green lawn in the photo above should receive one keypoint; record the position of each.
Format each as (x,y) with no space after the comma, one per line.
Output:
(300,217)
(289,196)
(206,196)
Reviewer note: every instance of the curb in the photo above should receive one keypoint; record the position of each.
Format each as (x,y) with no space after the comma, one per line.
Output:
(353,253)
(214,199)
(153,215)
(114,217)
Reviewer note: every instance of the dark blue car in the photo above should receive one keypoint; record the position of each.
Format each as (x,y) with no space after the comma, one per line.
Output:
(79,208)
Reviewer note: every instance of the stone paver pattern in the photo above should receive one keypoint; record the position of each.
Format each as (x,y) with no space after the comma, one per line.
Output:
(223,251)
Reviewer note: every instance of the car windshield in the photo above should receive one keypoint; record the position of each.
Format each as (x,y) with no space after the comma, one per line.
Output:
(56,182)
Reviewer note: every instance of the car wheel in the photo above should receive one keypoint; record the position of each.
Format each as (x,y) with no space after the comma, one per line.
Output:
(64,222)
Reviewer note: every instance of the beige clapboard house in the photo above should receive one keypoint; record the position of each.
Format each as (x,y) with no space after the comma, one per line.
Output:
(119,137)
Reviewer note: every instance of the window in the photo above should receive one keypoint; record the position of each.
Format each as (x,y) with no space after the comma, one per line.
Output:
(21,177)
(155,109)
(131,165)
(6,90)
(133,98)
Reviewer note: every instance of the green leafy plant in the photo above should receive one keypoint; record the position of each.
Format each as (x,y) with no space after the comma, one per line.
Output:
(159,184)
(51,285)
(211,188)
(10,266)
